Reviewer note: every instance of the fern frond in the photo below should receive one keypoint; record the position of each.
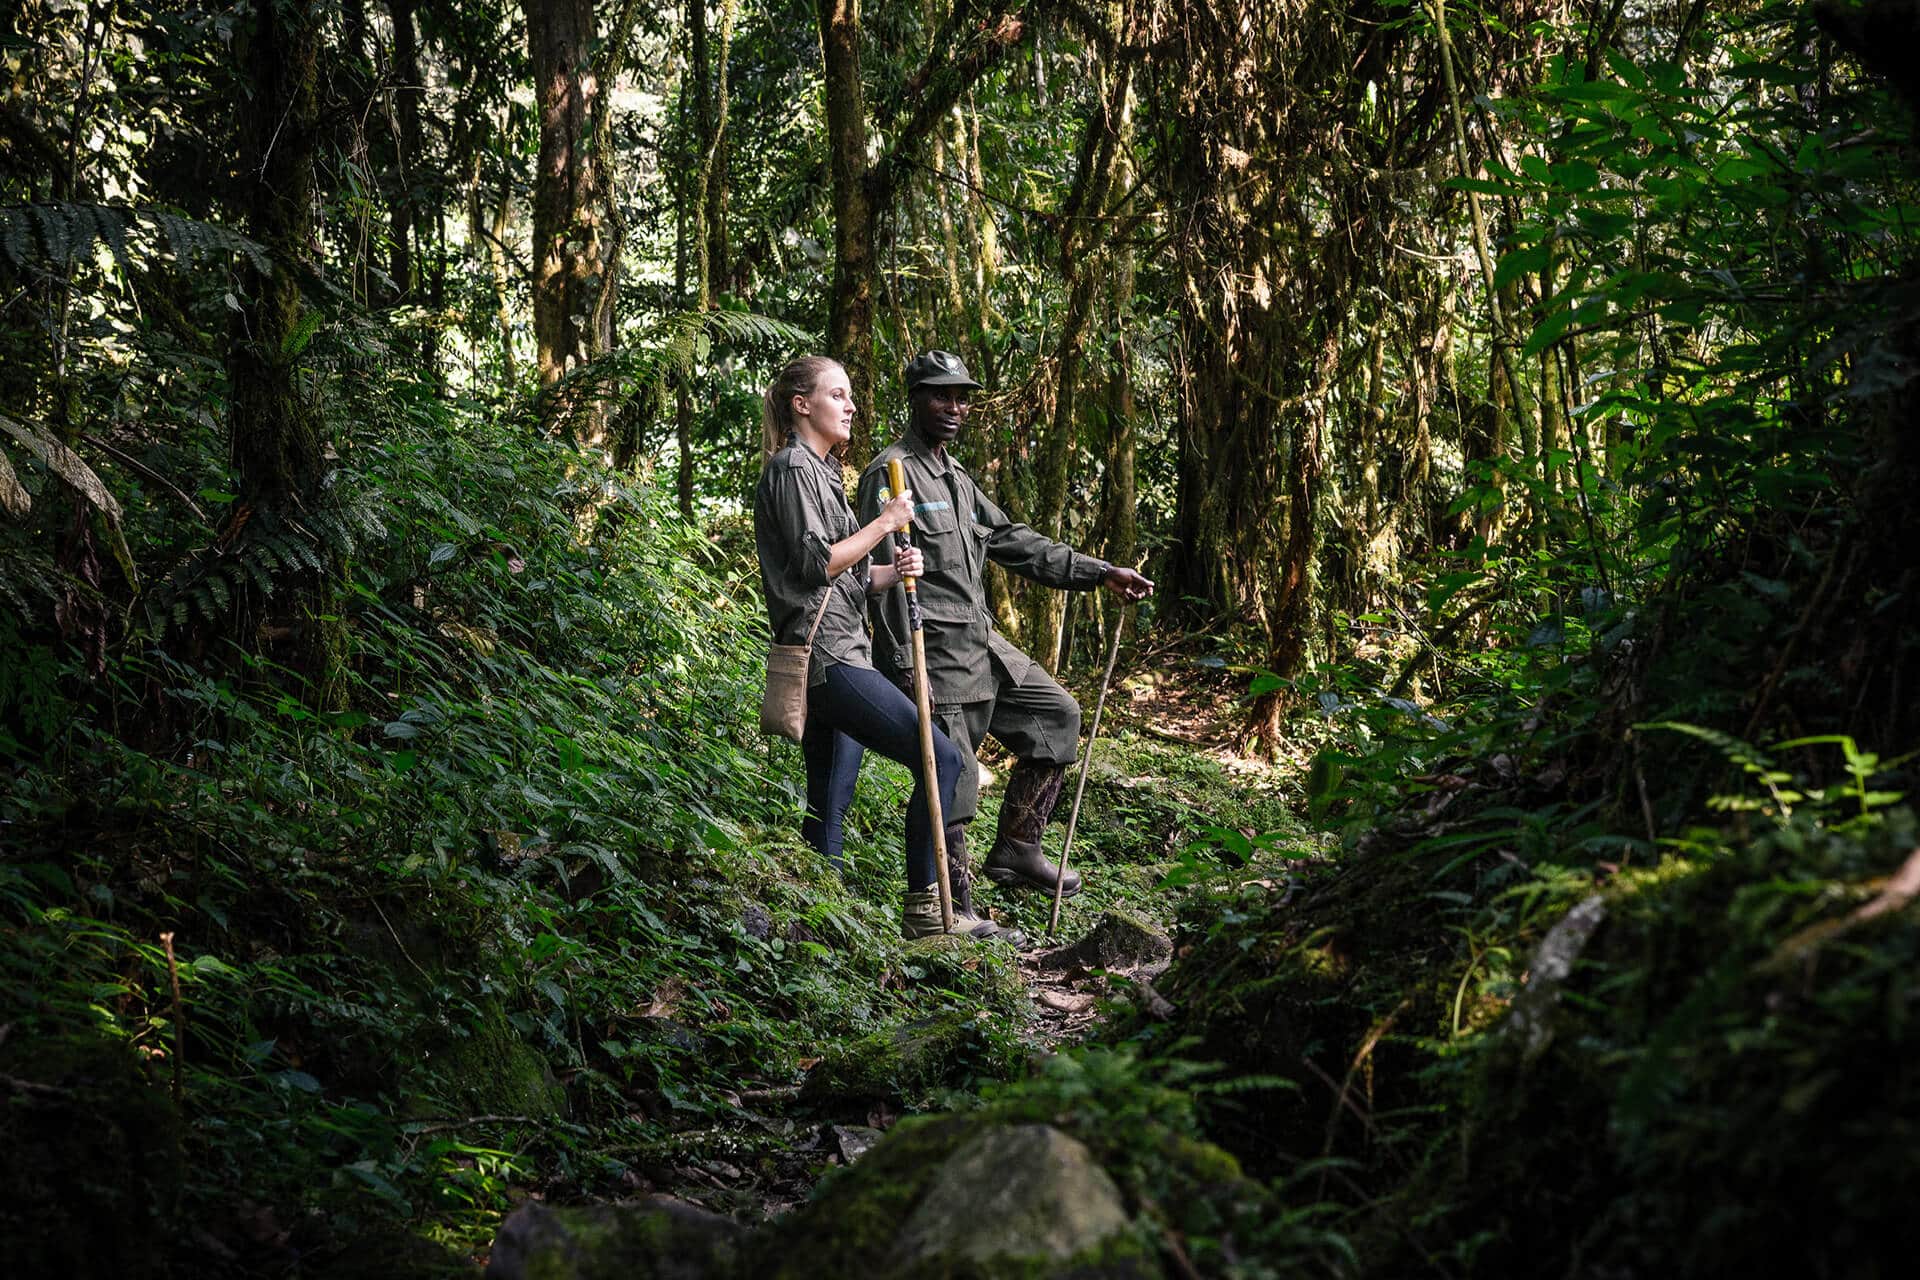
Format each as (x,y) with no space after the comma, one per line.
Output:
(61,231)
(674,346)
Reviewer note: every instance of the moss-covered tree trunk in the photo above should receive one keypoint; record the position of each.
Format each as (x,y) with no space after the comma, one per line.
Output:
(969,43)
(278,436)
(574,259)
(1085,229)
(699,251)
(850,313)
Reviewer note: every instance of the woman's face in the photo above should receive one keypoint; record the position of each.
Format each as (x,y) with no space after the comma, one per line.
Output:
(826,412)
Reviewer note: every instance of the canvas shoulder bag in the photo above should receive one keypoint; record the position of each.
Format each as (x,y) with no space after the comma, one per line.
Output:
(783,707)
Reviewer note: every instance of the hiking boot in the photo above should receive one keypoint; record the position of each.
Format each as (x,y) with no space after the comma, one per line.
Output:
(959,865)
(960,880)
(920,918)
(1033,789)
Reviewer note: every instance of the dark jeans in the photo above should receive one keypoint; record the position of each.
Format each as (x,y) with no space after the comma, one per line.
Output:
(832,771)
(858,707)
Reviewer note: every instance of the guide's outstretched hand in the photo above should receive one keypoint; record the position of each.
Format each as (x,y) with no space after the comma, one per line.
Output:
(1127,584)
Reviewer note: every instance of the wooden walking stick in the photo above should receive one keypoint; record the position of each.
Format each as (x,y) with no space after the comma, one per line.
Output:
(923,703)
(1086,767)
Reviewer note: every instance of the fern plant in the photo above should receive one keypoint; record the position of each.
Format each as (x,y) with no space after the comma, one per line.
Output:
(637,375)
(62,232)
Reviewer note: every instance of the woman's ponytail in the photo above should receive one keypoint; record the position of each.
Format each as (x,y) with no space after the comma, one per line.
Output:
(776,406)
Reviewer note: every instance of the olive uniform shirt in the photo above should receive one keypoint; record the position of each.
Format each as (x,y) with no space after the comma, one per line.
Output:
(958,531)
(799,511)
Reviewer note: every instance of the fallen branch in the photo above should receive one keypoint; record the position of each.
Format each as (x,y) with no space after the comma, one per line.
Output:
(1896,892)
(33,1086)
(1174,735)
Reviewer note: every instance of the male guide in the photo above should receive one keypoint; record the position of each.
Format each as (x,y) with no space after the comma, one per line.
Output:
(978,682)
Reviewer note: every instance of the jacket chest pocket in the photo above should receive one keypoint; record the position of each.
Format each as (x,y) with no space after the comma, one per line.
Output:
(940,535)
(977,535)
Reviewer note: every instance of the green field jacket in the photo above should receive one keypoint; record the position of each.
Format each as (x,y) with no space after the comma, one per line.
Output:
(799,511)
(959,530)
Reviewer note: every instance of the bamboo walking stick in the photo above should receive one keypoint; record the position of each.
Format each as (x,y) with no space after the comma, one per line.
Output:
(1086,767)
(923,703)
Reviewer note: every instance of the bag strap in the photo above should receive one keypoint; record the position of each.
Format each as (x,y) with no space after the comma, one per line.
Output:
(824,601)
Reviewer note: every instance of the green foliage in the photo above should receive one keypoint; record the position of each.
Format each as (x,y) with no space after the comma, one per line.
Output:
(1142,1119)
(635,378)
(517,904)
(59,234)
(536,870)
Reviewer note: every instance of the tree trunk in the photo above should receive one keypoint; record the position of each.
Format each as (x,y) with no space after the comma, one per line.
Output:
(278,446)
(1122,535)
(1084,215)
(408,212)
(701,77)
(486,227)
(573,259)
(981,232)
(850,314)
(712,110)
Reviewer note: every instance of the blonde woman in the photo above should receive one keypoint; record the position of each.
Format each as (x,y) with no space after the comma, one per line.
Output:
(809,542)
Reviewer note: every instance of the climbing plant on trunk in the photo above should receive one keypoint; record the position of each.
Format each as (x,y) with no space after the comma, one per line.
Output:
(278,436)
(965,46)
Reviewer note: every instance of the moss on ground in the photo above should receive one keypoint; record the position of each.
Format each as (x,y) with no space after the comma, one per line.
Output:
(491,1068)
(907,1062)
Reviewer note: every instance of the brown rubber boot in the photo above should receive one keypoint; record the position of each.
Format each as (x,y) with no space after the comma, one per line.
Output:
(1033,789)
(920,918)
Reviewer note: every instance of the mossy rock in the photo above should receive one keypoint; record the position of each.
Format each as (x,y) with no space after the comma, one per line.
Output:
(657,1240)
(985,1195)
(1020,1199)
(902,1062)
(492,1070)
(1119,940)
(879,1216)
(985,971)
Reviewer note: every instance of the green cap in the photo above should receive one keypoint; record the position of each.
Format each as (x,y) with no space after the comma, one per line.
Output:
(938,369)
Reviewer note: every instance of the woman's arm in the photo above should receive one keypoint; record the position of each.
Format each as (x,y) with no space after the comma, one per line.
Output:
(894,515)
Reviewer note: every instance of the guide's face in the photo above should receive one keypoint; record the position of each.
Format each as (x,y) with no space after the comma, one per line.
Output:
(940,412)
(827,409)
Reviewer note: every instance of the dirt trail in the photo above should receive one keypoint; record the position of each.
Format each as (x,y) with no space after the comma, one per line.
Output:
(767,1160)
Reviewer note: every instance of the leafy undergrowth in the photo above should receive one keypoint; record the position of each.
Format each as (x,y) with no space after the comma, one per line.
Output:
(289,989)
(292,990)
(1506,1032)
(529,917)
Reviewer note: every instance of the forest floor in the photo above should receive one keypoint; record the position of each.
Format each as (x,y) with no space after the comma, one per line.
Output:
(1167,783)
